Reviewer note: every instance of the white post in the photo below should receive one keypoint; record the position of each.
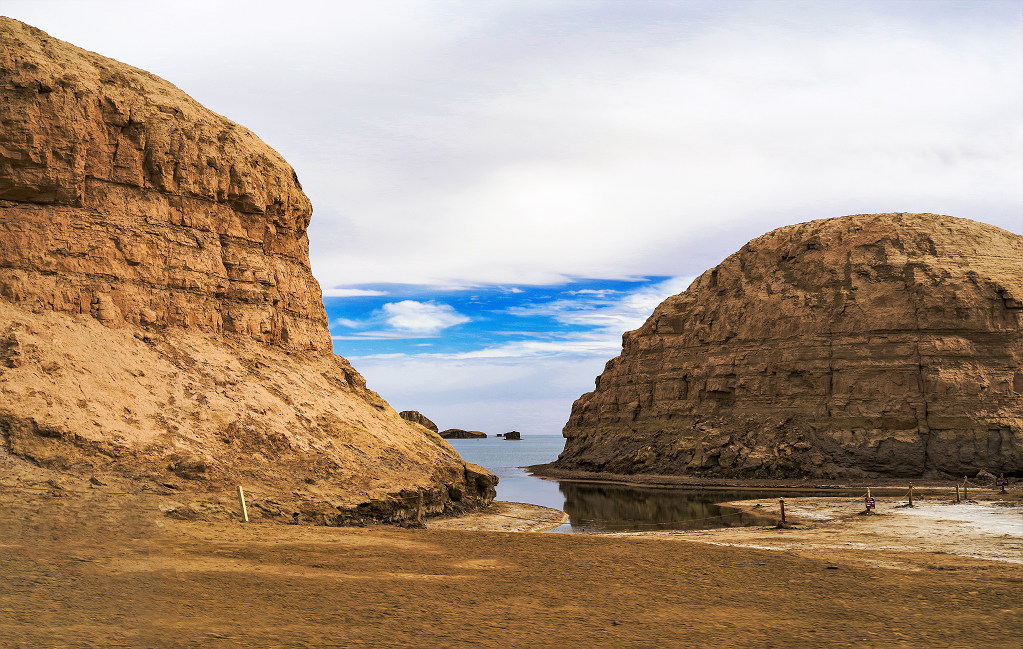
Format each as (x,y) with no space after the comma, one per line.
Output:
(241,499)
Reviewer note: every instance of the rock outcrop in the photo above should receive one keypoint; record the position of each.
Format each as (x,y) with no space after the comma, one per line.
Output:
(871,345)
(417,417)
(458,433)
(158,317)
(513,435)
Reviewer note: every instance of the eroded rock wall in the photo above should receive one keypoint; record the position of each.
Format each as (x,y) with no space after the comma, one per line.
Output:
(864,345)
(158,318)
(124,199)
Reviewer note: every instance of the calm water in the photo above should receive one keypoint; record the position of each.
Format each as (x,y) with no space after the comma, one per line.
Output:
(599,507)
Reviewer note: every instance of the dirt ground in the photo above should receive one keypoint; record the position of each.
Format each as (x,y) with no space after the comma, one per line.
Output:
(82,567)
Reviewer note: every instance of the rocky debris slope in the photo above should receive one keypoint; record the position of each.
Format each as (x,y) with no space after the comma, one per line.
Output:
(158,317)
(870,345)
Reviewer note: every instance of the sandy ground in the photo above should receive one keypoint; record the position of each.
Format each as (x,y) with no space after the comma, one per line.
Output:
(982,529)
(504,516)
(83,567)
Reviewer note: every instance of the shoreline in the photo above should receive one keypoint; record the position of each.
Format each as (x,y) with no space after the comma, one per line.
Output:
(70,561)
(880,486)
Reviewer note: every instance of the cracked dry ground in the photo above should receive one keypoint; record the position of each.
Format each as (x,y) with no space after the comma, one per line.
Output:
(95,570)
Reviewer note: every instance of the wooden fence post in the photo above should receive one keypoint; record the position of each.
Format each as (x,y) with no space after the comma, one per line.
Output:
(966,492)
(781,501)
(241,499)
(910,494)
(957,493)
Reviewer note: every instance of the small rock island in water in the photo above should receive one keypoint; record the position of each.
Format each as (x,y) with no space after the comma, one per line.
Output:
(458,433)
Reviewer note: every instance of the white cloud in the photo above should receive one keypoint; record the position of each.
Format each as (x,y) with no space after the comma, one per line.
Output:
(514,142)
(381,335)
(401,320)
(608,316)
(348,323)
(524,350)
(489,394)
(665,157)
(421,317)
(352,292)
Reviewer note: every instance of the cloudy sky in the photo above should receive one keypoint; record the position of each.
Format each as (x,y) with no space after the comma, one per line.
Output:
(502,187)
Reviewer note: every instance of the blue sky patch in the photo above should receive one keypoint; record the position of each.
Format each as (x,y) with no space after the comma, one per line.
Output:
(408,319)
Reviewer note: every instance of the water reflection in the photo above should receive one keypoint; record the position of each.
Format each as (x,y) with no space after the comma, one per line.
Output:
(602,507)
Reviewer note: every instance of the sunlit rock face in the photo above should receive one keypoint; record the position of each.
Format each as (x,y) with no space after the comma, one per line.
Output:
(869,345)
(158,315)
(417,417)
(128,201)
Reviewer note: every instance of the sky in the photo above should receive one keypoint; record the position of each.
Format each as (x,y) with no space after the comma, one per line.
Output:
(501,188)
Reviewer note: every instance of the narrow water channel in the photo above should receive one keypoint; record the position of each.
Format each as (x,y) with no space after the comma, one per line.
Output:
(600,507)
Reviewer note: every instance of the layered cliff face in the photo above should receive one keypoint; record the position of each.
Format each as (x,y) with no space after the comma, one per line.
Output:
(871,345)
(158,316)
(127,200)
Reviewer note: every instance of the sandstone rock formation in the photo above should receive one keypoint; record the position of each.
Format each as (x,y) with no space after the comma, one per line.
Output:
(513,435)
(417,417)
(158,317)
(871,345)
(458,433)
